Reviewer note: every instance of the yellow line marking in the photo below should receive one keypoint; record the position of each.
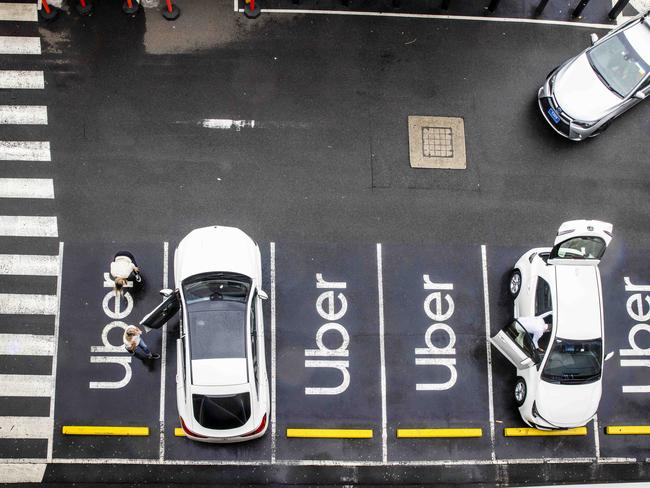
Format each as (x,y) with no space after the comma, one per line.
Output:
(178,432)
(331,433)
(528,432)
(104,430)
(627,429)
(425,433)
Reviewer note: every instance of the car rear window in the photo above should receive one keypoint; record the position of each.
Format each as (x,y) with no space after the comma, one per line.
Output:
(217,329)
(222,413)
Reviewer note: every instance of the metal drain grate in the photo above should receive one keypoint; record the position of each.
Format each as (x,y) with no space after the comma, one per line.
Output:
(437,142)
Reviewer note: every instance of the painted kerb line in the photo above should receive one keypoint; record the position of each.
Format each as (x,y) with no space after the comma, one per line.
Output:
(486,306)
(331,433)
(20,45)
(529,432)
(627,430)
(273,346)
(21,80)
(438,433)
(101,430)
(382,355)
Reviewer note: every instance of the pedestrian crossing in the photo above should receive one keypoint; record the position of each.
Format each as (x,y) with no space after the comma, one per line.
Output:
(30,254)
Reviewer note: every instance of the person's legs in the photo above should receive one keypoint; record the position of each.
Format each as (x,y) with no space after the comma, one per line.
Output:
(144,348)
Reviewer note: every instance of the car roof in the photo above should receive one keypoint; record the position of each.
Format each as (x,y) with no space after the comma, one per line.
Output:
(578,307)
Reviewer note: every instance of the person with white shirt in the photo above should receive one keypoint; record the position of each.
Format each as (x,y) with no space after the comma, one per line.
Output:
(135,344)
(535,326)
(123,269)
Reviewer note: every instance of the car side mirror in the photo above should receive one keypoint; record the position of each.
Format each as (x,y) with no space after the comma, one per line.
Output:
(166,292)
(640,95)
(594,38)
(263,295)
(609,356)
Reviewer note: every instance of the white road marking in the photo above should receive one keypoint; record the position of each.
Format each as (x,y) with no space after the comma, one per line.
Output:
(433,16)
(273,345)
(26,345)
(163,357)
(25,427)
(28,304)
(20,45)
(28,226)
(382,356)
(57,322)
(227,124)
(18,12)
(24,151)
(235,5)
(486,305)
(23,114)
(22,473)
(11,79)
(596,437)
(26,188)
(24,385)
(29,265)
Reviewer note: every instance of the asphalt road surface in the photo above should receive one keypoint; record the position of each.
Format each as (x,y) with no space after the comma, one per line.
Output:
(293,127)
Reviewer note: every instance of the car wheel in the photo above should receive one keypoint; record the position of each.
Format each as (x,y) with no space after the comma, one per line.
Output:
(514,284)
(520,391)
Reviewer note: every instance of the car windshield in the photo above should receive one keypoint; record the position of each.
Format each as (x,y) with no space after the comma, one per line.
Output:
(573,362)
(582,248)
(618,64)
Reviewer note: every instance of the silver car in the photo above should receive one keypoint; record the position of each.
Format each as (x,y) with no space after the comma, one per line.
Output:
(583,95)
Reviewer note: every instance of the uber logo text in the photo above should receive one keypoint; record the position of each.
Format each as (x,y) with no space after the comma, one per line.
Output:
(638,308)
(434,305)
(330,306)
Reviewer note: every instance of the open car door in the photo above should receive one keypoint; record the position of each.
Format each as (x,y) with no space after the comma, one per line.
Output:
(163,312)
(581,242)
(516,345)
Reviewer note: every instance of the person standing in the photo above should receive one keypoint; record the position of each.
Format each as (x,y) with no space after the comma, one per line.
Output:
(135,344)
(123,269)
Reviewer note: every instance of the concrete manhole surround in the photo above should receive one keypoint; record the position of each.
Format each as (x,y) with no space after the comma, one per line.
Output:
(437,142)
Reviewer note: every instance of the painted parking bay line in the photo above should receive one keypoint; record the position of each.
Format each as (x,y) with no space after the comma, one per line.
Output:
(628,430)
(18,12)
(331,433)
(529,432)
(20,45)
(25,427)
(23,114)
(442,433)
(104,430)
(21,80)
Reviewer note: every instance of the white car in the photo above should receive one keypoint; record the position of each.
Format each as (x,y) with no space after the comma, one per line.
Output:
(222,388)
(559,383)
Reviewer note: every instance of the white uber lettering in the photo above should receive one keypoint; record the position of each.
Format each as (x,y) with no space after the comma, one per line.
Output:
(331,307)
(637,311)
(439,307)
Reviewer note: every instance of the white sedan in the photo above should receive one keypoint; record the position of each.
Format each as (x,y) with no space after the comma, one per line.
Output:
(222,388)
(556,338)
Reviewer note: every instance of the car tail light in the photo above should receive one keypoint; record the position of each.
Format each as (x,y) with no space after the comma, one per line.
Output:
(188,431)
(259,429)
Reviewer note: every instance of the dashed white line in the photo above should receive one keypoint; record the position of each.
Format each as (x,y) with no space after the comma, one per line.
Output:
(23,114)
(25,427)
(24,304)
(24,385)
(29,265)
(486,305)
(163,358)
(26,188)
(28,226)
(24,151)
(21,80)
(273,425)
(26,345)
(25,12)
(20,45)
(382,356)
(228,124)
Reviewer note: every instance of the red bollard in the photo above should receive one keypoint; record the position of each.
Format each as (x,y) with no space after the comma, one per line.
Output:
(251,10)
(84,7)
(130,7)
(46,12)
(171,12)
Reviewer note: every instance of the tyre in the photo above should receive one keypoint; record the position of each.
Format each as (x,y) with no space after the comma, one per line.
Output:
(520,391)
(514,283)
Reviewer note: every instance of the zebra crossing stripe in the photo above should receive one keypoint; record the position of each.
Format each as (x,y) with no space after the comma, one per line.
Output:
(18,12)
(12,79)
(28,226)
(24,151)
(29,265)
(26,345)
(23,114)
(25,385)
(22,472)
(26,188)
(25,427)
(25,304)
(20,45)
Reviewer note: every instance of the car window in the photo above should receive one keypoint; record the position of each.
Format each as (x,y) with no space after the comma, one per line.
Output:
(217,329)
(253,326)
(573,362)
(221,413)
(518,334)
(581,248)
(543,301)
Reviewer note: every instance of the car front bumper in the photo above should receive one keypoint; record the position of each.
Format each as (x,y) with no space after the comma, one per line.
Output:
(565,126)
